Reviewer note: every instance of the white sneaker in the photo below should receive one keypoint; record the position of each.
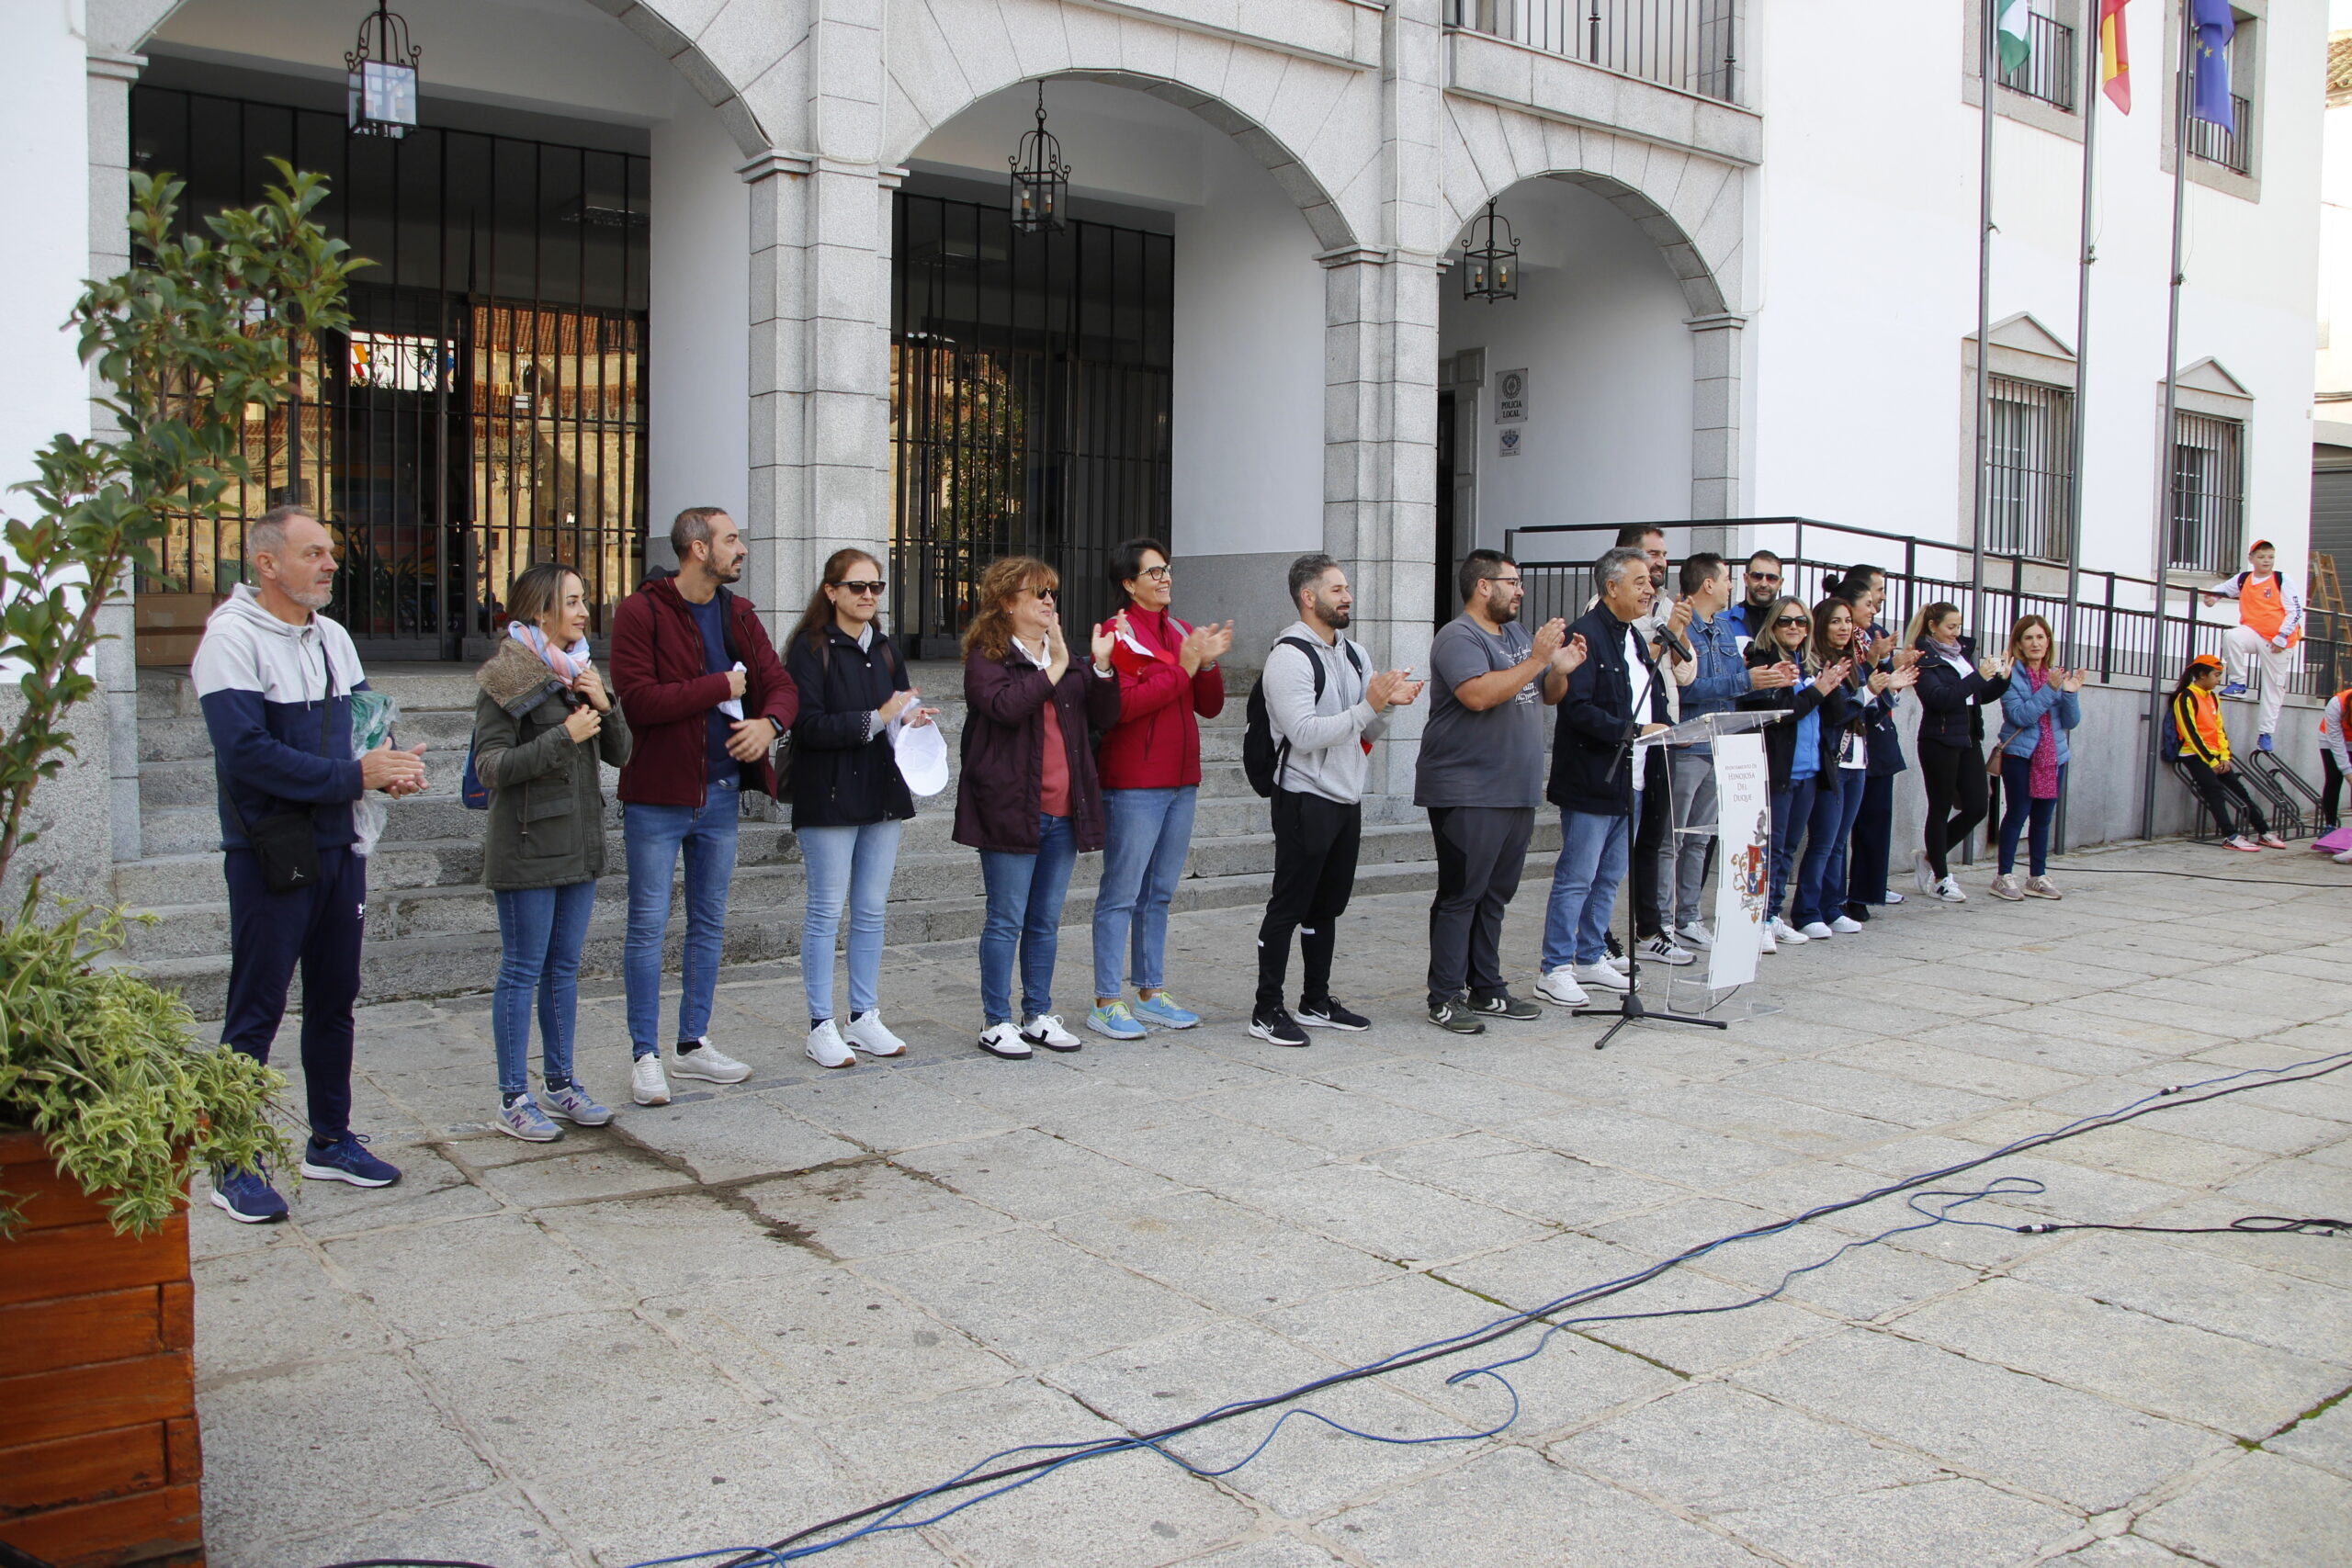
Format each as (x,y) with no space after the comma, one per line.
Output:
(1846,925)
(1661,950)
(1922,873)
(708,1063)
(1602,977)
(1786,935)
(1561,989)
(1046,1029)
(1948,890)
(1817,931)
(2343,858)
(1005,1039)
(646,1084)
(871,1036)
(1694,934)
(825,1047)
(1764,942)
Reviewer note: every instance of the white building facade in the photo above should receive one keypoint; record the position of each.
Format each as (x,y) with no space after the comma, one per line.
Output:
(644,254)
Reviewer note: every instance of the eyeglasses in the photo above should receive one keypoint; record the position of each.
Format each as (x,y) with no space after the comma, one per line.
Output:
(1763,577)
(1156,573)
(1792,621)
(861,588)
(1039,592)
(1506,582)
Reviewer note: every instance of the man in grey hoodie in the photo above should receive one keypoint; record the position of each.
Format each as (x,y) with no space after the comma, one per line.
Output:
(1325,705)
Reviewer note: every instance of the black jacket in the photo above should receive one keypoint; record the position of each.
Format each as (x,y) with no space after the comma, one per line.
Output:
(1780,736)
(844,771)
(1947,716)
(1594,716)
(1885,739)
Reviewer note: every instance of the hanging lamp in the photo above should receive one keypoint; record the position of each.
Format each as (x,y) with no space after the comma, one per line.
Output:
(1040,179)
(382,98)
(1490,271)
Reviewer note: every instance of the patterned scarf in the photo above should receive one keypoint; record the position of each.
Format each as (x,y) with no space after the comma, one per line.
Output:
(567,662)
(2044,786)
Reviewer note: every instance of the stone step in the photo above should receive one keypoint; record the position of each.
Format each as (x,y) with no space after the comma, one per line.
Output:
(403,903)
(444,965)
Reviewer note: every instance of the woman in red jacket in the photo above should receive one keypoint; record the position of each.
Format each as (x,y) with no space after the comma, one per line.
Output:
(1150,763)
(1027,799)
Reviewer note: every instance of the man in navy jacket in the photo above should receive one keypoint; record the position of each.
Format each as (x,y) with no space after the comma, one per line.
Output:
(275,680)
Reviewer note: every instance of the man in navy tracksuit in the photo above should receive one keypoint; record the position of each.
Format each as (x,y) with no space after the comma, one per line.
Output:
(275,679)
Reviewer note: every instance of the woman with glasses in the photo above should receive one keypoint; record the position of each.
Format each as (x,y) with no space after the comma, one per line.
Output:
(542,723)
(1954,686)
(1793,749)
(849,800)
(1150,762)
(1028,799)
(1846,719)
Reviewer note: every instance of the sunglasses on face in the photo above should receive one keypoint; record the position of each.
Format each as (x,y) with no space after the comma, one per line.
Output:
(1763,577)
(857,587)
(1792,621)
(1039,592)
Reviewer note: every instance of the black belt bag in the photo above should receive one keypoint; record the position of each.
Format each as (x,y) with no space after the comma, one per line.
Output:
(286,843)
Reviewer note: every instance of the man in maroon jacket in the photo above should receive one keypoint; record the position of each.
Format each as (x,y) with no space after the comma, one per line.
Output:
(706,698)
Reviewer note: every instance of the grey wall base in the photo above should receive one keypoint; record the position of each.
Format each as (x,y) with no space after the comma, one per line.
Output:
(71,813)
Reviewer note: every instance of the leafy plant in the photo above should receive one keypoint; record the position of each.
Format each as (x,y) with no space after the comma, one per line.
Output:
(186,340)
(105,1068)
(203,330)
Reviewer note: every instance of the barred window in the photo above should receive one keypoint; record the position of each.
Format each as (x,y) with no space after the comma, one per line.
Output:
(2048,71)
(2208,492)
(2234,150)
(2031,477)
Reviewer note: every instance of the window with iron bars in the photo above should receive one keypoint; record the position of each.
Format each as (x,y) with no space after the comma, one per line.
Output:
(2234,150)
(2048,71)
(2208,492)
(2030,478)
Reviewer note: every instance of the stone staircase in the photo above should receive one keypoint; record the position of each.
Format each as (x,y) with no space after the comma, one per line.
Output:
(433,930)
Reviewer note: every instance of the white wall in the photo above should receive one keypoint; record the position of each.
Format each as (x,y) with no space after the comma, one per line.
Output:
(1598,327)
(2334,368)
(44,145)
(698,377)
(1867,282)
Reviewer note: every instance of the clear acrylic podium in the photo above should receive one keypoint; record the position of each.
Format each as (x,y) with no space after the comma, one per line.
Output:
(1691,989)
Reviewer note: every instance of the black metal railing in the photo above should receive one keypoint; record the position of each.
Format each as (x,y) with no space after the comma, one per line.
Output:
(2048,71)
(2112,632)
(1687,44)
(2216,144)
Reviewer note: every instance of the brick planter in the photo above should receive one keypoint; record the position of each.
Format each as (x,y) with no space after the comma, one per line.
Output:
(98,1456)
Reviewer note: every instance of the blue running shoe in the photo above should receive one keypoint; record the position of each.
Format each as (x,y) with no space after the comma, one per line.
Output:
(577,1106)
(1116,1021)
(2234,689)
(249,1198)
(522,1118)
(1163,1011)
(2262,744)
(346,1159)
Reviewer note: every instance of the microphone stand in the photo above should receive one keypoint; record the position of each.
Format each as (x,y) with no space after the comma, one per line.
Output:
(1630,1008)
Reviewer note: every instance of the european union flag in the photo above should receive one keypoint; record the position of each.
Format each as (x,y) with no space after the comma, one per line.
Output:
(2216,24)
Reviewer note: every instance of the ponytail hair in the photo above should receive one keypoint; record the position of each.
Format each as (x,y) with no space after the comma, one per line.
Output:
(2189,673)
(1928,616)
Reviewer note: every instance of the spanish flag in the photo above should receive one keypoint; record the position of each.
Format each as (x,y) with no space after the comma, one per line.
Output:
(2114,55)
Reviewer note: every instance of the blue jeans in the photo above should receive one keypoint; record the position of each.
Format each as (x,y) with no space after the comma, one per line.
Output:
(1820,882)
(2017,805)
(1145,835)
(1593,854)
(852,865)
(1025,894)
(1792,815)
(654,835)
(540,933)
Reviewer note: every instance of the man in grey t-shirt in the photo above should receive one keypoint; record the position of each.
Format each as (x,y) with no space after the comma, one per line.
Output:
(1481,778)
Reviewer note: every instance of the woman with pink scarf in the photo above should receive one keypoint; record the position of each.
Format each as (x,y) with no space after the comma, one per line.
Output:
(2036,711)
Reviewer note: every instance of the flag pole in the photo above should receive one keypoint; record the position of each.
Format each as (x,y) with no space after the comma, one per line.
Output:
(2075,481)
(2164,458)
(1989,10)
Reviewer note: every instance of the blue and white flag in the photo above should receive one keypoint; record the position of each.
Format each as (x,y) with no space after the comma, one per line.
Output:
(2216,25)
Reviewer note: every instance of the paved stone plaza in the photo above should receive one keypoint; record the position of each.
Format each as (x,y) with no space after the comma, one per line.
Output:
(719,1321)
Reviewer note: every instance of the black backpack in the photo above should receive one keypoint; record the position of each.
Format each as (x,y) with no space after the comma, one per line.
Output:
(1263,759)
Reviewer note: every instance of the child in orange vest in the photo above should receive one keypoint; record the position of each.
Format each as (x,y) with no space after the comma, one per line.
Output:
(2205,751)
(2270,623)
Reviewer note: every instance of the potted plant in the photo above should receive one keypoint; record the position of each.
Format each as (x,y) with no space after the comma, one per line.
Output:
(107,1101)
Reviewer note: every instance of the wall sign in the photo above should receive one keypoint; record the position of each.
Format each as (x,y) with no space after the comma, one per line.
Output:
(1510,444)
(1510,398)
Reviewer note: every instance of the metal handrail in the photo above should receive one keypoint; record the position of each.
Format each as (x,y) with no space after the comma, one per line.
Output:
(1691,45)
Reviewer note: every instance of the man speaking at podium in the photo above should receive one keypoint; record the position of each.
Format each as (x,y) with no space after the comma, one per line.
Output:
(1617,688)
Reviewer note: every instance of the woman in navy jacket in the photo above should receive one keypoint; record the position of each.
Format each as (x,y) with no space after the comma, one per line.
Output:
(1954,686)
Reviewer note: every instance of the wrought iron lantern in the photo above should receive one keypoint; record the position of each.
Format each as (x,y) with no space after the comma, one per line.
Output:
(1040,179)
(1490,270)
(383,76)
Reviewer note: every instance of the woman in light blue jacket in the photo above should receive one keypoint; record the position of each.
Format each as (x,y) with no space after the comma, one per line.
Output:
(2036,711)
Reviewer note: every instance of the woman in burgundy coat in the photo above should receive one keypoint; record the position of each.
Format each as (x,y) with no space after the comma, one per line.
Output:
(1028,799)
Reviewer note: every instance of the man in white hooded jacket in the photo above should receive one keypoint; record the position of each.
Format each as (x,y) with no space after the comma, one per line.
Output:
(275,679)
(1328,727)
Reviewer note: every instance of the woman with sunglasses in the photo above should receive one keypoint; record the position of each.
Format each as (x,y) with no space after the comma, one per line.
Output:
(1793,744)
(1028,799)
(1846,720)
(1168,682)
(1954,686)
(849,800)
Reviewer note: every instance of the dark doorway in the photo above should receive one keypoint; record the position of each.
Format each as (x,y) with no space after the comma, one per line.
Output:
(487,408)
(1449,603)
(1029,405)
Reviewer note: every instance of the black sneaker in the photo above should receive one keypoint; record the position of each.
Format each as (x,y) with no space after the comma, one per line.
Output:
(1504,1005)
(1454,1015)
(1329,1014)
(1276,1027)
